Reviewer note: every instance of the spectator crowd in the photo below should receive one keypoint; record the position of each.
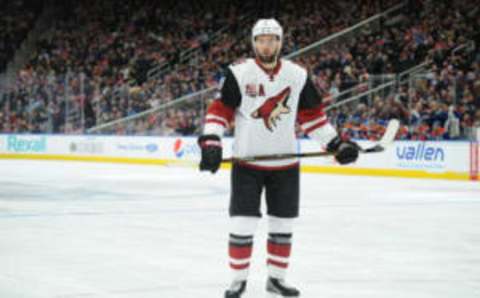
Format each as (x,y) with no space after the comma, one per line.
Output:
(94,68)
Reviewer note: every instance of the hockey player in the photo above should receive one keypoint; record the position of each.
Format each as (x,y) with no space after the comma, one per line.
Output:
(265,97)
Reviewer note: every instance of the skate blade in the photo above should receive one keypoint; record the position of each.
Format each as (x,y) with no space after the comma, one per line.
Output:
(272,295)
(275,295)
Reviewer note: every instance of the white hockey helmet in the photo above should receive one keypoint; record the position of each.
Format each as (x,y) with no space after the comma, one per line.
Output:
(267,26)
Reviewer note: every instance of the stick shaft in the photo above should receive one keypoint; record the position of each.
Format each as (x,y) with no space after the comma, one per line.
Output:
(278,156)
(374,149)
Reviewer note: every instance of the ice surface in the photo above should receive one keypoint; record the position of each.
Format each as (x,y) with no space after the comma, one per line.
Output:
(106,230)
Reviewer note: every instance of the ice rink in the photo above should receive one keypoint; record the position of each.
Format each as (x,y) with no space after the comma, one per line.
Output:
(71,230)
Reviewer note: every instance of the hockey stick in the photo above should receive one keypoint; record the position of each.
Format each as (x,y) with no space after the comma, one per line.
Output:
(386,140)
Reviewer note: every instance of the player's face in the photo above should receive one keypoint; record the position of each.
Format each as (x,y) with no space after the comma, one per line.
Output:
(267,48)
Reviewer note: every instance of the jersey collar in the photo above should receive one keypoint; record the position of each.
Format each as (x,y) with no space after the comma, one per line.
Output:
(270,72)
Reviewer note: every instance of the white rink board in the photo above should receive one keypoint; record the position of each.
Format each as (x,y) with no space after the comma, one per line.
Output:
(428,156)
(435,157)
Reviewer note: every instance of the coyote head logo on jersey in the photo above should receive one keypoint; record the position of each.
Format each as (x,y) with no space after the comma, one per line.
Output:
(272,108)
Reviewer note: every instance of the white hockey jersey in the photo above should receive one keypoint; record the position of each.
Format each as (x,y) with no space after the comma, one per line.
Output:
(265,105)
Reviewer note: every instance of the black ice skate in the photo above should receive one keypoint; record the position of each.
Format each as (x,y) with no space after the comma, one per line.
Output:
(278,287)
(236,290)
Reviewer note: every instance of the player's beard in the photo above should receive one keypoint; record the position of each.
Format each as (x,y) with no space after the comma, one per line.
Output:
(268,59)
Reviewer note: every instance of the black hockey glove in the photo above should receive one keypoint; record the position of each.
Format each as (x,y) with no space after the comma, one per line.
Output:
(345,151)
(211,146)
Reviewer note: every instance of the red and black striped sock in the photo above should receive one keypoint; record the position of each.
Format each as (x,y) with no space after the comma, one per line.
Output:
(279,247)
(240,252)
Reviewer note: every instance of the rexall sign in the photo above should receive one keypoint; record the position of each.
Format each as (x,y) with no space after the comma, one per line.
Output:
(26,144)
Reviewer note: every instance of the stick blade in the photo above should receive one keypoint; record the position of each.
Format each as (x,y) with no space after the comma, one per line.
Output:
(390,133)
(374,149)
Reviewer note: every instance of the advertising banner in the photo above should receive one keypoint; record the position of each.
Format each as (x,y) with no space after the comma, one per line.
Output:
(402,157)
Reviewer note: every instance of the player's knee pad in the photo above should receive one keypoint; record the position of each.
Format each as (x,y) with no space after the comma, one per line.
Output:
(279,225)
(243,225)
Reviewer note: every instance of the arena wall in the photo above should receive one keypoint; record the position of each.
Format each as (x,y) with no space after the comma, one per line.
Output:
(437,160)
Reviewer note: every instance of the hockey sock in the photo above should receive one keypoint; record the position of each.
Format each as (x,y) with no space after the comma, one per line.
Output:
(241,245)
(279,246)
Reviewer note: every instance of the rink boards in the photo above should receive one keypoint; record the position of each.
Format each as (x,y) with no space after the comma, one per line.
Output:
(442,160)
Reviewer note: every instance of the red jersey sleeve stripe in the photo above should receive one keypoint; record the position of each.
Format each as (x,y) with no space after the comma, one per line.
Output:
(308,115)
(318,125)
(219,109)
